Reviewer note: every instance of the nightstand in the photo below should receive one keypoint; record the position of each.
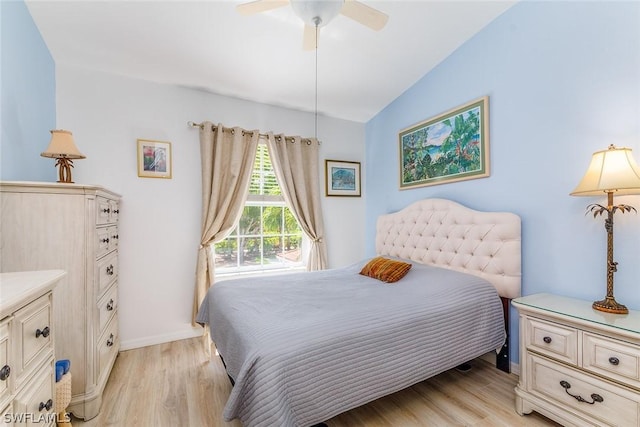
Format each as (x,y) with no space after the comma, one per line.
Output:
(578,366)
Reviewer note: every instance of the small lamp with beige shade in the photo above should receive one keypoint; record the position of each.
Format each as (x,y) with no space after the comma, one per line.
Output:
(612,171)
(63,148)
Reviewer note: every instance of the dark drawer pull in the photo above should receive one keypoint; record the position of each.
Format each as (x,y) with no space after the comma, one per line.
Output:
(106,210)
(110,340)
(110,305)
(105,240)
(594,397)
(46,406)
(614,361)
(44,332)
(110,270)
(547,340)
(5,372)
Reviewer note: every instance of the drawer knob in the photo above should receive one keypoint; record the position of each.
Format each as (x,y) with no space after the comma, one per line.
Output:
(106,210)
(614,361)
(547,340)
(110,305)
(44,332)
(110,270)
(594,397)
(110,340)
(48,405)
(5,372)
(105,240)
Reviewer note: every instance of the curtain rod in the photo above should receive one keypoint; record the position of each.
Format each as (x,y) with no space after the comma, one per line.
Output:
(260,135)
(214,127)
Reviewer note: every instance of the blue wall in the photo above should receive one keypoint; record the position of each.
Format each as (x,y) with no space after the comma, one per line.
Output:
(28,95)
(563,80)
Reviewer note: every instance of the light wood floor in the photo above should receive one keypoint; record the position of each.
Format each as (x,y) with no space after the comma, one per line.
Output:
(174,384)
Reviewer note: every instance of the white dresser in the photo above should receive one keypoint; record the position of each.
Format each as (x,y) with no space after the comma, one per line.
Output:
(75,228)
(27,375)
(578,366)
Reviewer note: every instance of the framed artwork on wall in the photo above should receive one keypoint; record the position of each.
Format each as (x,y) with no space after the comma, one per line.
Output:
(342,178)
(453,146)
(154,159)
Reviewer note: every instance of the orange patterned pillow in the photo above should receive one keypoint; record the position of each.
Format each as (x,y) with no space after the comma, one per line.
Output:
(384,269)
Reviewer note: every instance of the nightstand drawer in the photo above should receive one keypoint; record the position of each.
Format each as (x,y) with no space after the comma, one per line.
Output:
(34,326)
(552,339)
(5,361)
(613,404)
(618,360)
(36,399)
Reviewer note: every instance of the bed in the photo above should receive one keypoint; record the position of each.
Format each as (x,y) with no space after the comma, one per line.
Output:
(304,347)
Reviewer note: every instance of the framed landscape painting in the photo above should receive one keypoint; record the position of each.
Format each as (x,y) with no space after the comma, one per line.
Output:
(342,178)
(453,146)
(154,159)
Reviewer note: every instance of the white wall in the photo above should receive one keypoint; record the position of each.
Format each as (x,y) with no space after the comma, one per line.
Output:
(160,218)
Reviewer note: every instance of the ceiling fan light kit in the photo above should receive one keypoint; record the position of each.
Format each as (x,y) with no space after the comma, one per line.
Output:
(318,13)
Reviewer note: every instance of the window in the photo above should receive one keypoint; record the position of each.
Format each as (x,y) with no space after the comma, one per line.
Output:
(267,236)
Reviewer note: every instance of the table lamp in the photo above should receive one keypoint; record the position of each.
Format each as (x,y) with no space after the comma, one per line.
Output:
(63,148)
(612,171)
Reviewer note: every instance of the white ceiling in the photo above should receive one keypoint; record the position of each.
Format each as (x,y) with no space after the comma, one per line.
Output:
(208,45)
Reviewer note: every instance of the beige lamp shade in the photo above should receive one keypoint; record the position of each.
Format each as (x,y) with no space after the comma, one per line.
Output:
(612,170)
(62,146)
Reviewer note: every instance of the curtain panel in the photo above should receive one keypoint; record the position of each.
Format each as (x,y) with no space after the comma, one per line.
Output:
(227,156)
(295,163)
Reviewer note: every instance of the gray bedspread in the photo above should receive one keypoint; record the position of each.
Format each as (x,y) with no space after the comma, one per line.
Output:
(305,347)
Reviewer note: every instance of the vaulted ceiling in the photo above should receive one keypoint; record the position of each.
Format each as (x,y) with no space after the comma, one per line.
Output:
(210,46)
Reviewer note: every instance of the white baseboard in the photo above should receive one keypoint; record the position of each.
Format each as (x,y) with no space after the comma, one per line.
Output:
(187,332)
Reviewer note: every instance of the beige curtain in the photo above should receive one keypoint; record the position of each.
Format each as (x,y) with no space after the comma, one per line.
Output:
(227,157)
(295,162)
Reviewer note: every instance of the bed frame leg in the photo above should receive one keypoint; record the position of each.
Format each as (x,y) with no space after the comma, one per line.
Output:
(503,359)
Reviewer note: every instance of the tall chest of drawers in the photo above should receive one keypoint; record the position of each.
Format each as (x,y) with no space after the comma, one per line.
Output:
(578,366)
(75,228)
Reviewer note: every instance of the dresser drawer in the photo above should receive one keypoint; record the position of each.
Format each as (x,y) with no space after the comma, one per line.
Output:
(5,363)
(107,307)
(107,271)
(35,401)
(114,210)
(106,240)
(107,346)
(617,403)
(103,210)
(552,339)
(618,360)
(34,326)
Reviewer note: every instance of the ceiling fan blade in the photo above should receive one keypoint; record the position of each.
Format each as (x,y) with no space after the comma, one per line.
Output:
(258,6)
(364,14)
(309,41)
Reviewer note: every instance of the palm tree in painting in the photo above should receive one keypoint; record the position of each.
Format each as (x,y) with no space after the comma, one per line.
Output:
(462,146)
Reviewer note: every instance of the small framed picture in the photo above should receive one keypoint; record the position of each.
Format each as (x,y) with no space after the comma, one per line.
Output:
(154,159)
(342,178)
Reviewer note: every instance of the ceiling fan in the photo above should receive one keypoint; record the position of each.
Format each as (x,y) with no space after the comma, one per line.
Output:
(318,13)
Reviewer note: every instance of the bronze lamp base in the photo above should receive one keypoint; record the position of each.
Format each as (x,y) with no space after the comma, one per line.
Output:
(610,305)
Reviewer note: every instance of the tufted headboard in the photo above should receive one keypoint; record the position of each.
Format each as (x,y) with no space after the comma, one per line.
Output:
(446,234)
